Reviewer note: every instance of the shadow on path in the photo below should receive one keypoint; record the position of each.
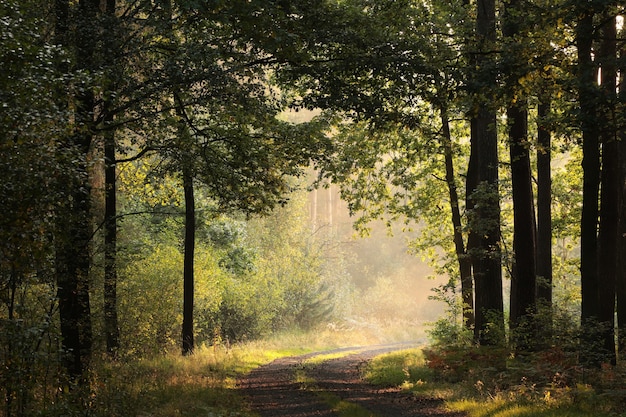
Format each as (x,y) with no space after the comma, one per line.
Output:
(272,390)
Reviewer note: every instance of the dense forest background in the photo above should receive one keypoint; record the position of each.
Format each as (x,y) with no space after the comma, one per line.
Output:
(170,169)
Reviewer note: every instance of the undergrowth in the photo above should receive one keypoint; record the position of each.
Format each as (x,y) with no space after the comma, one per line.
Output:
(201,384)
(492,382)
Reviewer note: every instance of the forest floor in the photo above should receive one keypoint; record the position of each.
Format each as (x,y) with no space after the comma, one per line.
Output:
(330,384)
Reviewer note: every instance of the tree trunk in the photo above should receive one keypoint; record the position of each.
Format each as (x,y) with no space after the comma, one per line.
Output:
(621,275)
(111,326)
(73,240)
(591,184)
(608,239)
(465,263)
(523,279)
(544,210)
(523,282)
(489,328)
(188,278)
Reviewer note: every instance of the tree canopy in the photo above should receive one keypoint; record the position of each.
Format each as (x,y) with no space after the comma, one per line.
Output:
(120,121)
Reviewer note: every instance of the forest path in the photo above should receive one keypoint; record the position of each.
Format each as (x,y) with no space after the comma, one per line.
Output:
(329,384)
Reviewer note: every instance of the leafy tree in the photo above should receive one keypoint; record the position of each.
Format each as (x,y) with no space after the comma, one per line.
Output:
(30,122)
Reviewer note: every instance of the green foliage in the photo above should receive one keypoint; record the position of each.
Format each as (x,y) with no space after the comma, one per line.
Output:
(149,301)
(31,124)
(396,68)
(295,267)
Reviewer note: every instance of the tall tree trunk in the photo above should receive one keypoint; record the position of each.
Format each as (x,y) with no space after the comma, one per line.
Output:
(608,239)
(523,282)
(465,263)
(471,184)
(523,279)
(73,254)
(621,276)
(188,278)
(489,328)
(544,225)
(591,183)
(111,326)
(544,209)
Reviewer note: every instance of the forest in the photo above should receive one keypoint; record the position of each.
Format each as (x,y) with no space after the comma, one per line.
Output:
(165,162)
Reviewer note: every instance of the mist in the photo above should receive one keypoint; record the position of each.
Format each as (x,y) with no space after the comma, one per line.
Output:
(391,287)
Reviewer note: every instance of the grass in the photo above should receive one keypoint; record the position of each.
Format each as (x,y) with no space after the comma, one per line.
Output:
(200,384)
(173,385)
(409,369)
(204,383)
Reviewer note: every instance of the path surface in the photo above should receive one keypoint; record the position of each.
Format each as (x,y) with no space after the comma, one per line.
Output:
(273,390)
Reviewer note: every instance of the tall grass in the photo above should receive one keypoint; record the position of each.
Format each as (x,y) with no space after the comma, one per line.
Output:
(200,384)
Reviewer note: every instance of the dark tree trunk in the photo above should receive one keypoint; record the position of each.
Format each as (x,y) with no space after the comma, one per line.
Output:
(621,275)
(544,209)
(188,278)
(489,328)
(523,281)
(73,255)
(523,278)
(465,263)
(111,326)
(591,183)
(110,247)
(72,270)
(471,184)
(608,239)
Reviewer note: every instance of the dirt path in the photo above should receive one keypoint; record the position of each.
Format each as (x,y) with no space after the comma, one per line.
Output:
(278,389)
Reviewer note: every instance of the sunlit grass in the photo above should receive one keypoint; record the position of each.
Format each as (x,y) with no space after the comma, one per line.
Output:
(203,383)
(396,368)
(502,408)
(408,369)
(173,385)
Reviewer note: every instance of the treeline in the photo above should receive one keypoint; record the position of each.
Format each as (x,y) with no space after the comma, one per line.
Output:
(480,97)
(136,133)
(136,138)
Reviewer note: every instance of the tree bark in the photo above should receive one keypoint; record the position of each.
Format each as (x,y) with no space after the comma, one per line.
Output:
(465,263)
(621,275)
(73,240)
(489,328)
(111,326)
(188,268)
(544,209)
(523,279)
(523,282)
(608,238)
(591,183)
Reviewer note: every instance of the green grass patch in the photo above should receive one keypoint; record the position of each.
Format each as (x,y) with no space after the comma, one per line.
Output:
(482,386)
(397,368)
(504,408)
(202,384)
(199,384)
